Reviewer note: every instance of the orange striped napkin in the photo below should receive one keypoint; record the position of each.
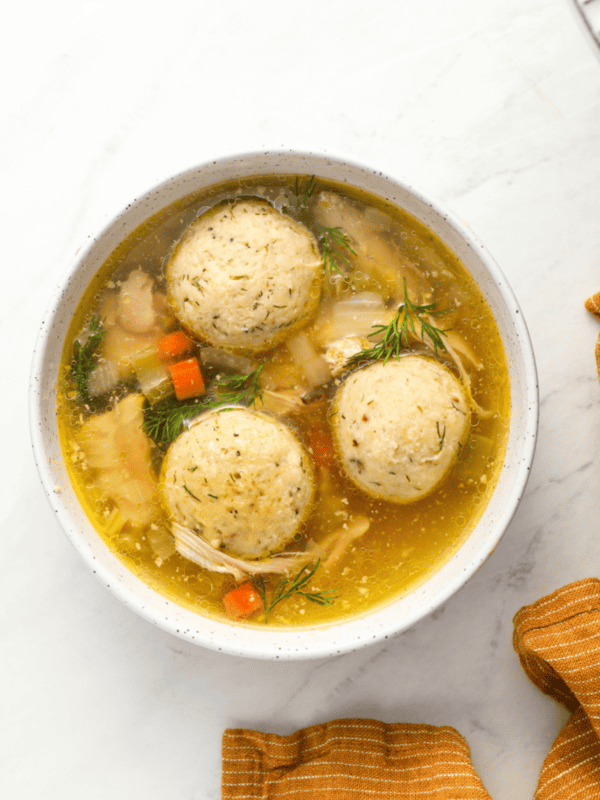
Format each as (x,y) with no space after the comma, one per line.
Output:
(558,642)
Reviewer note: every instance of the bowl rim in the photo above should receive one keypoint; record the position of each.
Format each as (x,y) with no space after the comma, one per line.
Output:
(257,648)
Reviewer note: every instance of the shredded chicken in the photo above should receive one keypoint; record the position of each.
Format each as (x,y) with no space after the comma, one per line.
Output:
(135,309)
(134,318)
(342,538)
(454,344)
(374,254)
(117,451)
(283,402)
(196,549)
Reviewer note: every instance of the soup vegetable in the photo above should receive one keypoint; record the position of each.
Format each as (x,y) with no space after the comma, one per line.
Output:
(283,401)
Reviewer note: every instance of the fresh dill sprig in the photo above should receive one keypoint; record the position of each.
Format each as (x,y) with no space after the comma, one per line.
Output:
(331,241)
(395,334)
(287,587)
(85,357)
(241,389)
(164,421)
(303,195)
(335,244)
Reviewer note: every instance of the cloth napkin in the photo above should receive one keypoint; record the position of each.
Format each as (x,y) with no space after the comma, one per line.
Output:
(557,640)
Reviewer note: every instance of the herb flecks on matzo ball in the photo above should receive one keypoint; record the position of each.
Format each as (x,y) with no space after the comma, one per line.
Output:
(239,479)
(244,275)
(400,426)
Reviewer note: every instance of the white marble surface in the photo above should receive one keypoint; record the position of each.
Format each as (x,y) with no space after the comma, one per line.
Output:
(493,108)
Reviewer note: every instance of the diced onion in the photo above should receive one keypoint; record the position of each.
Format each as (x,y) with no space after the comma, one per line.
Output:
(316,369)
(103,378)
(301,348)
(353,316)
(359,301)
(353,323)
(161,541)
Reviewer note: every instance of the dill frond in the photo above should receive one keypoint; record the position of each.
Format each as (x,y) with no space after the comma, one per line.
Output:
(164,421)
(287,587)
(395,335)
(334,243)
(85,357)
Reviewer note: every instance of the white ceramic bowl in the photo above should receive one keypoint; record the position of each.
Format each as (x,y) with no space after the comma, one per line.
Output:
(268,642)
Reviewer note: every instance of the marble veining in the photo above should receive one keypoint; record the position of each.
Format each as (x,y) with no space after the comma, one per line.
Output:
(492,108)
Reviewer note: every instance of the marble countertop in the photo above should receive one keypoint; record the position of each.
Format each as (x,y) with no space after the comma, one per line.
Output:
(494,109)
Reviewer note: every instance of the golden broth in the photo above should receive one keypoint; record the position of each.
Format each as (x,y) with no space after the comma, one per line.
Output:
(405,544)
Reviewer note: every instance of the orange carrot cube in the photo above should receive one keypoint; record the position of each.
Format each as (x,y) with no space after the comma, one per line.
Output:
(187,379)
(242,600)
(174,345)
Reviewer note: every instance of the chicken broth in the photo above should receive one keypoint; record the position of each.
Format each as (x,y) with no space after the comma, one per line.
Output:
(368,550)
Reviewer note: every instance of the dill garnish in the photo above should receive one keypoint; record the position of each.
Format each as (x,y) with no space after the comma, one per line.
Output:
(164,421)
(85,357)
(442,435)
(331,240)
(304,195)
(288,587)
(191,493)
(395,334)
(241,389)
(335,244)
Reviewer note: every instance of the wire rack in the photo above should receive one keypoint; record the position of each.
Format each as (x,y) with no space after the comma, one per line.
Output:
(589,13)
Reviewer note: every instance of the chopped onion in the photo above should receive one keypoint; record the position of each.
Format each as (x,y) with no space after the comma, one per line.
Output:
(212,356)
(316,369)
(301,348)
(103,378)
(161,541)
(353,323)
(135,491)
(353,316)
(361,300)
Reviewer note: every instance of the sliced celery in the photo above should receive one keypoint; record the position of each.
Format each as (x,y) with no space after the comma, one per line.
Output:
(155,381)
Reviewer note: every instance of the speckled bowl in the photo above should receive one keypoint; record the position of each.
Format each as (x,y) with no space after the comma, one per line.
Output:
(270,642)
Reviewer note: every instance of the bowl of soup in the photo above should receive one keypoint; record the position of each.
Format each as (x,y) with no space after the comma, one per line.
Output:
(283,405)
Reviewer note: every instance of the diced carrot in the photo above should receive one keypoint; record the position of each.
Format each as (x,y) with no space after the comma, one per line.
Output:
(242,600)
(174,345)
(187,378)
(321,444)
